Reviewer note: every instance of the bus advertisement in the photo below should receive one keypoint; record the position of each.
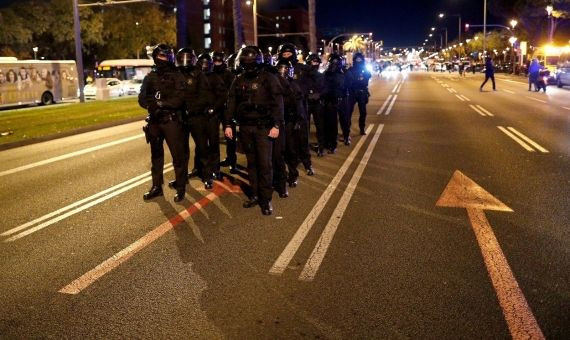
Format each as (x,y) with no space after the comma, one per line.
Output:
(124,69)
(37,81)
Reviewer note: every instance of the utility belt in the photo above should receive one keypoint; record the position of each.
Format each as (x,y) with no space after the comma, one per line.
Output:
(162,116)
(259,122)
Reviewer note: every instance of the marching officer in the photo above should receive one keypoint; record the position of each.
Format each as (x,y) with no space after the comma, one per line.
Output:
(293,108)
(256,103)
(288,52)
(198,98)
(357,78)
(334,97)
(162,94)
(315,85)
(221,72)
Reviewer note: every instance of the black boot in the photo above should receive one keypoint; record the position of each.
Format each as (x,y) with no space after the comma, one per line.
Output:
(208,184)
(266,208)
(320,152)
(283,192)
(310,171)
(179,197)
(346,141)
(292,182)
(155,191)
(193,173)
(252,202)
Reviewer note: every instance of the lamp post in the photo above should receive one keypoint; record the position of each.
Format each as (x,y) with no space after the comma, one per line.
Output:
(549,10)
(35,49)
(442,15)
(254,8)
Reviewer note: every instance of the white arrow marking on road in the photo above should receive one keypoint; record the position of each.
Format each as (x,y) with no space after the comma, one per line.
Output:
(69,155)
(462,192)
(320,250)
(287,255)
(384,105)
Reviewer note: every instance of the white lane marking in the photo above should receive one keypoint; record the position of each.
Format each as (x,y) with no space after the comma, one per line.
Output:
(477,110)
(116,260)
(459,97)
(384,105)
(485,110)
(395,87)
(73,205)
(516,139)
(509,91)
(528,140)
(444,85)
(466,99)
(453,90)
(449,90)
(69,155)
(320,250)
(538,100)
(79,209)
(512,81)
(287,255)
(389,109)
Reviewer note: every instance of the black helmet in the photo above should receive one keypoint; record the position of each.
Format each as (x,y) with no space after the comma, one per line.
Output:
(249,58)
(313,57)
(185,57)
(231,61)
(358,59)
(335,63)
(268,58)
(218,56)
(288,47)
(165,53)
(284,68)
(205,61)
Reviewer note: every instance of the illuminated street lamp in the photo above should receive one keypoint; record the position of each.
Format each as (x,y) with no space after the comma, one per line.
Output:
(514,23)
(35,49)
(433,29)
(249,3)
(549,10)
(441,15)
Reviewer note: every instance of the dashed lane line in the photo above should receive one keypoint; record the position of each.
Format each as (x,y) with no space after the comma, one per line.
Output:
(477,110)
(69,155)
(522,140)
(528,140)
(384,105)
(516,139)
(464,97)
(389,109)
(316,258)
(509,91)
(459,97)
(535,99)
(485,111)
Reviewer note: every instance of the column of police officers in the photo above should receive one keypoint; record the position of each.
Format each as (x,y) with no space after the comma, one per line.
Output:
(264,106)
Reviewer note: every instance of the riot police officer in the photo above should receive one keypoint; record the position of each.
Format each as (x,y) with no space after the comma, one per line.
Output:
(293,108)
(162,94)
(334,96)
(315,85)
(225,77)
(288,52)
(357,78)
(255,102)
(198,98)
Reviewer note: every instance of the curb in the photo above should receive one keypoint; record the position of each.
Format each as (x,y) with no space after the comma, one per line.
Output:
(84,129)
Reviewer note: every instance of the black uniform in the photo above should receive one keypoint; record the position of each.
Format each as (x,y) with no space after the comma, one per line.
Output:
(334,97)
(256,103)
(162,94)
(226,77)
(357,78)
(315,85)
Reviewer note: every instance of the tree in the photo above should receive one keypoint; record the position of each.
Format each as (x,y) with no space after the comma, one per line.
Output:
(355,44)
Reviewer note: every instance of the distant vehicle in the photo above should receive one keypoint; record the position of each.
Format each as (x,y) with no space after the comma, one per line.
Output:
(549,57)
(124,69)
(36,81)
(132,86)
(113,84)
(563,70)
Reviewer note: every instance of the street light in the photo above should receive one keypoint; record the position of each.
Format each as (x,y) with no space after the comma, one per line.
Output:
(254,8)
(35,49)
(441,15)
(549,10)
(514,23)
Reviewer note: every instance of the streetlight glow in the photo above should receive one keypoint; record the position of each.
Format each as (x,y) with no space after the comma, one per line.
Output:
(248,2)
(441,15)
(514,23)
(549,10)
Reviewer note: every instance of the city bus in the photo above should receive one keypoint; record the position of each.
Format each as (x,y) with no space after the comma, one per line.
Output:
(36,81)
(124,69)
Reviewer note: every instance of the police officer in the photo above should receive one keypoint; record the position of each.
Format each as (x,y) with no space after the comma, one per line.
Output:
(288,52)
(256,103)
(293,108)
(334,96)
(198,98)
(221,73)
(357,78)
(315,85)
(162,94)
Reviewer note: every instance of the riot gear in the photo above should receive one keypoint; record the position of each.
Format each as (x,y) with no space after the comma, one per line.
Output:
(357,78)
(205,62)
(335,63)
(268,58)
(284,68)
(218,59)
(185,58)
(249,58)
(163,55)
(358,60)
(288,48)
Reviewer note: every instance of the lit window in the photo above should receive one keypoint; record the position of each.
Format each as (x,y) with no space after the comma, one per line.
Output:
(277,18)
(277,25)
(207,14)
(207,28)
(207,42)
(289,17)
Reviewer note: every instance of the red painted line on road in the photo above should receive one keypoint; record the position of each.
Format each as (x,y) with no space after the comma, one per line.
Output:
(116,260)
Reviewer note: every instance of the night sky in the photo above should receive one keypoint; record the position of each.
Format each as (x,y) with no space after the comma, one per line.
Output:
(397,22)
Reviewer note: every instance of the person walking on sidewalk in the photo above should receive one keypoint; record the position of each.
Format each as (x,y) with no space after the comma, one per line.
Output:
(489,73)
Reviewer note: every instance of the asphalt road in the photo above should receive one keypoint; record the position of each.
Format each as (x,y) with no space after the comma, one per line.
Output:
(360,250)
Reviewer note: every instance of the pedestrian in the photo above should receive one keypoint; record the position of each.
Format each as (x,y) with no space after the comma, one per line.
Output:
(315,85)
(533,73)
(221,70)
(334,95)
(162,94)
(199,105)
(489,74)
(357,78)
(256,104)
(461,69)
(288,52)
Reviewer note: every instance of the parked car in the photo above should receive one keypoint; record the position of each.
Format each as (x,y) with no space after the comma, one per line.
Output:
(133,86)
(563,76)
(113,84)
